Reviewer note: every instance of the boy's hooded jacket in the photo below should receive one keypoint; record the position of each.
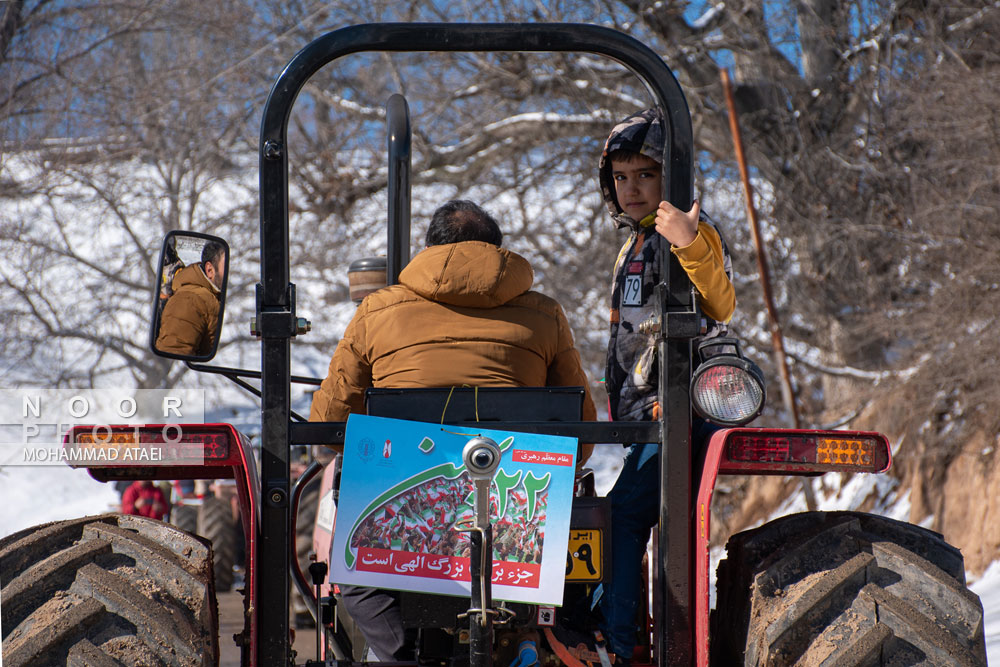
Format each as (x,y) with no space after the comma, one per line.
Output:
(462,314)
(632,373)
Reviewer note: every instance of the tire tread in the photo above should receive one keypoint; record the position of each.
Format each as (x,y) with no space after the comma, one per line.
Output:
(108,590)
(838,588)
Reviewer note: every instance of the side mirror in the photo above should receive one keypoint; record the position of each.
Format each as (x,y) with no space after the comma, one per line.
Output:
(189,297)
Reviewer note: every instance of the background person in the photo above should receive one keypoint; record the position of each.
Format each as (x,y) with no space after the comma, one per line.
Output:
(144,498)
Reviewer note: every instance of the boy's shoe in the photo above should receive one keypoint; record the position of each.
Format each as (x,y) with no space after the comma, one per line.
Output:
(578,649)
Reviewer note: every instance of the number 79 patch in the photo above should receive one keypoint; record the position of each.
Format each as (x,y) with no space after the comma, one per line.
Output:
(632,288)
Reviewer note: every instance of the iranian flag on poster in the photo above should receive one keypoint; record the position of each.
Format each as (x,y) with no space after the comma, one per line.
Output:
(405,497)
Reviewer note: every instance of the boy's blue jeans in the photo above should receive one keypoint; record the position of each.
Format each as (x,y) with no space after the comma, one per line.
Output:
(635,509)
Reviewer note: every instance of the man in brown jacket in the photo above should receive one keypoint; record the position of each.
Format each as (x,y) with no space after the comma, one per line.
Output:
(463,313)
(190,319)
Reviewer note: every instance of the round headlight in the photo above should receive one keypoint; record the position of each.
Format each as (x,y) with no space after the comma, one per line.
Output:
(728,390)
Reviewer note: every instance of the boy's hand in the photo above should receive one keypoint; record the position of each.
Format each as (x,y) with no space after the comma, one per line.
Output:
(676,226)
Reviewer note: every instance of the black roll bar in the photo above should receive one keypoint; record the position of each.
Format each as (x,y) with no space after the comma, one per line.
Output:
(397,121)
(276,308)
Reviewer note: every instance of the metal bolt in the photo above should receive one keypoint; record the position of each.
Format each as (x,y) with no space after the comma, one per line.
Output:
(650,326)
(276,497)
(272,150)
(302,326)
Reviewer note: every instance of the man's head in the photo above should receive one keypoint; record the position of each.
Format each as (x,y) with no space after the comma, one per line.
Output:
(460,220)
(635,143)
(213,262)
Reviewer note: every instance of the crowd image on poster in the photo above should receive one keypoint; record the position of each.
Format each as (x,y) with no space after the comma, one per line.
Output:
(406,502)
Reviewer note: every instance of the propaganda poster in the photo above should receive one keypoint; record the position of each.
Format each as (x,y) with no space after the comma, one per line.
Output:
(405,496)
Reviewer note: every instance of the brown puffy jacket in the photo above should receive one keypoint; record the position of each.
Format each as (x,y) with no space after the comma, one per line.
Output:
(463,314)
(191,316)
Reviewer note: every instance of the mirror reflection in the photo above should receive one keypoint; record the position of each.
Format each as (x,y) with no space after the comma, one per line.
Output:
(191,287)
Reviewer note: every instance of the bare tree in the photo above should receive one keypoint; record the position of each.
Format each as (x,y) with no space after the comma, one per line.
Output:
(872,126)
(119,136)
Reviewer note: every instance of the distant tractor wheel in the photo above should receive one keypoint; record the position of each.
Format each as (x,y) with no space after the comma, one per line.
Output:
(216,524)
(844,588)
(107,590)
(185,517)
(306,519)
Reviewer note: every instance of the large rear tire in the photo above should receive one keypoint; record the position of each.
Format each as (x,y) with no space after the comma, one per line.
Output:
(216,523)
(107,590)
(185,517)
(844,588)
(306,521)
(304,524)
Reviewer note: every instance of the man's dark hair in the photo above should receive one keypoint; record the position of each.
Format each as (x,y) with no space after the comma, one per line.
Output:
(461,220)
(211,252)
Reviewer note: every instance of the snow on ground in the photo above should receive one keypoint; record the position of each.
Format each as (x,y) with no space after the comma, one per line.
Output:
(34,495)
(38,494)
(987,588)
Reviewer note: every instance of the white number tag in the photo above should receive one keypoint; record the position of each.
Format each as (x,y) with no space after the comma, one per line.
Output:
(632,291)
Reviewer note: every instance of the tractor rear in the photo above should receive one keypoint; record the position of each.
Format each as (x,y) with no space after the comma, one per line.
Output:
(814,588)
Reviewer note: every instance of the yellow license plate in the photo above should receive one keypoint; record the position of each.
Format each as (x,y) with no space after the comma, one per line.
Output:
(583,556)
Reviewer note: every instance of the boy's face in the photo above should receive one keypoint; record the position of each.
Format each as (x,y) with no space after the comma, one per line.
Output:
(637,185)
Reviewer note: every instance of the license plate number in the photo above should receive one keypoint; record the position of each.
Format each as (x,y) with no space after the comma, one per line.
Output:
(583,555)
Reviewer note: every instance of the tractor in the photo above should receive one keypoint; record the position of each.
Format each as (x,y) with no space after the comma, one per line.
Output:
(816,588)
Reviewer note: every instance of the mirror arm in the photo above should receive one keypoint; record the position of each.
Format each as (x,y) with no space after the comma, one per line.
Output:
(234,374)
(242,372)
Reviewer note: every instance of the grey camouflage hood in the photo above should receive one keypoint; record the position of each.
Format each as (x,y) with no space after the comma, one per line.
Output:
(640,133)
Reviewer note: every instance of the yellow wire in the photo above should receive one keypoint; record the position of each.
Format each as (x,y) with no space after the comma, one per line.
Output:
(475,394)
(446,402)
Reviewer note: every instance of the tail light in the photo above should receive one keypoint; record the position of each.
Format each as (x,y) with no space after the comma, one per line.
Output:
(169,445)
(787,451)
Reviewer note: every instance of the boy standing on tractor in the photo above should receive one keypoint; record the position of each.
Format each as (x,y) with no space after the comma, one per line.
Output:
(631,179)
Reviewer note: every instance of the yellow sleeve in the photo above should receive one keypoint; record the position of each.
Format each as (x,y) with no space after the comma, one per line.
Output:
(703,261)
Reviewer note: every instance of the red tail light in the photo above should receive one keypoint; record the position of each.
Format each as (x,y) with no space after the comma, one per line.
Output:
(172,444)
(780,451)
